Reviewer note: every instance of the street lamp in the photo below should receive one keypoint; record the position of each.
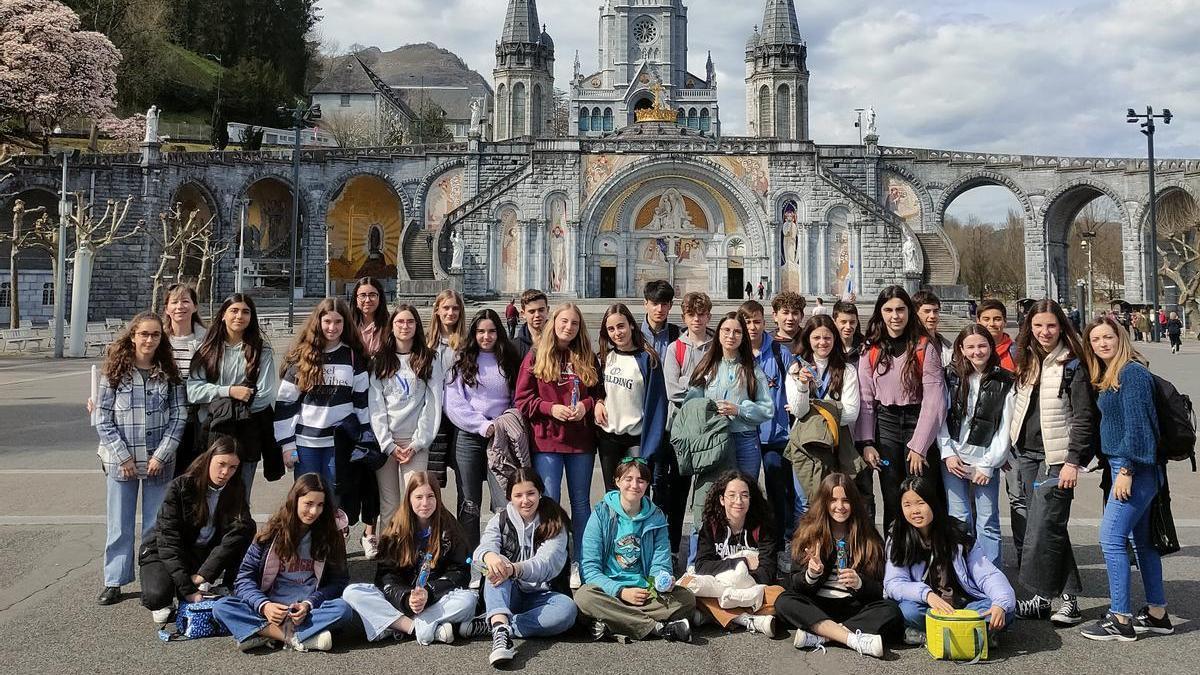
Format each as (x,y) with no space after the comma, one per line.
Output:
(858,124)
(1146,121)
(302,115)
(217,104)
(60,273)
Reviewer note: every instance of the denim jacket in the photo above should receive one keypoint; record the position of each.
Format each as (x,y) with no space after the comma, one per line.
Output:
(140,418)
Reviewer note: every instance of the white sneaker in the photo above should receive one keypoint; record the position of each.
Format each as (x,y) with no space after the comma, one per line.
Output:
(914,637)
(576,581)
(444,633)
(160,616)
(321,642)
(370,547)
(866,644)
(806,640)
(754,623)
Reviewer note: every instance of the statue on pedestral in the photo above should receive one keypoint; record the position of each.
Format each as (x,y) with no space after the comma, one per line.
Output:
(912,263)
(456,251)
(671,212)
(476,117)
(871,122)
(152,125)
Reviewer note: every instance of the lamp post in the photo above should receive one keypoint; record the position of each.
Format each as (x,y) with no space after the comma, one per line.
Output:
(1089,245)
(243,204)
(301,115)
(1081,286)
(60,271)
(858,124)
(1146,121)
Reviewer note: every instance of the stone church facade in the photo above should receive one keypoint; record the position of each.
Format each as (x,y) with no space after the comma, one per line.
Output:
(601,211)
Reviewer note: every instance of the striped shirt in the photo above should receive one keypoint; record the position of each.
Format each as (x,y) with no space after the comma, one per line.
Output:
(309,419)
(183,347)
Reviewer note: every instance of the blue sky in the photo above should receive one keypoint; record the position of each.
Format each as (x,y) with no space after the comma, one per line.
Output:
(1034,77)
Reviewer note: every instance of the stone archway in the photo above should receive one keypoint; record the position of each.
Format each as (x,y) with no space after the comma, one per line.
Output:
(364,221)
(267,239)
(1061,209)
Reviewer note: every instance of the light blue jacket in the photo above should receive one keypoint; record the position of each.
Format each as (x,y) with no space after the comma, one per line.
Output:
(598,565)
(726,385)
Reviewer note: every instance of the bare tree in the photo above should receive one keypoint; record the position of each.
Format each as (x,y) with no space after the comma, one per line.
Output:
(1179,247)
(16,243)
(174,237)
(349,129)
(560,123)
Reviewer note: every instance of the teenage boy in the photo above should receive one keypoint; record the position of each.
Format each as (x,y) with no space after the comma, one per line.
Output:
(774,358)
(659,332)
(535,308)
(787,309)
(670,488)
(845,317)
(994,317)
(929,313)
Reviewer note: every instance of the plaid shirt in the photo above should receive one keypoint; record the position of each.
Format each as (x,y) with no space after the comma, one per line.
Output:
(139,414)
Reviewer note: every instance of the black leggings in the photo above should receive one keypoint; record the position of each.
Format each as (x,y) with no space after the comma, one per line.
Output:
(612,448)
(894,427)
(877,617)
(158,587)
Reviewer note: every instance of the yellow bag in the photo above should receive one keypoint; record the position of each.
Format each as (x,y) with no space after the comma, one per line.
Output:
(958,636)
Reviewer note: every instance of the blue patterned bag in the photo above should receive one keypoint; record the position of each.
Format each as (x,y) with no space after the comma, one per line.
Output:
(195,620)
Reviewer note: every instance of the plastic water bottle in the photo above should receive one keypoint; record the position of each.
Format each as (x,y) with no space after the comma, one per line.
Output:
(841,554)
(426,566)
(663,581)
(574,386)
(1050,481)
(884,462)
(478,566)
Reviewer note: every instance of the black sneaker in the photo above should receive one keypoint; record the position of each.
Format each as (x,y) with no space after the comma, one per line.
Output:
(676,631)
(599,631)
(1109,629)
(1036,607)
(1143,622)
(1068,612)
(503,649)
(474,628)
(111,595)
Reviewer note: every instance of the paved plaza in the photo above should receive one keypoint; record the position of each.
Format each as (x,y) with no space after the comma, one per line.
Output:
(52,536)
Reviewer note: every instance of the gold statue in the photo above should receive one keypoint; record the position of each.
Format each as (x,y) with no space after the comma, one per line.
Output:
(660,111)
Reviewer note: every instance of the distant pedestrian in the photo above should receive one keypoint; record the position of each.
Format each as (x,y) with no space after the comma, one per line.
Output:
(510,315)
(749,290)
(1175,332)
(761,289)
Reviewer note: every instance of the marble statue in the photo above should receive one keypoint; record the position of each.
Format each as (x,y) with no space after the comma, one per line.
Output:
(152,125)
(457,250)
(476,117)
(912,264)
(871,121)
(671,212)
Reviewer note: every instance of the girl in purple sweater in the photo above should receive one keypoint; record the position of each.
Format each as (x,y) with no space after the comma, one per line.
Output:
(903,397)
(478,389)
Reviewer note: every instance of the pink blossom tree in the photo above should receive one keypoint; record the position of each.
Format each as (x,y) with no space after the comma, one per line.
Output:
(125,133)
(49,69)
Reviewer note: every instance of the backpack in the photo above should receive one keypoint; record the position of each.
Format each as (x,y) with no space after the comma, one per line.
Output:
(680,352)
(875,350)
(1176,424)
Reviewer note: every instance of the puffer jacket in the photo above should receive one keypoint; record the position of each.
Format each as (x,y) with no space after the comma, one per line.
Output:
(1068,411)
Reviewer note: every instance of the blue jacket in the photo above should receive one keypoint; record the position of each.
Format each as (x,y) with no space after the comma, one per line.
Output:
(1129,420)
(775,430)
(976,574)
(258,571)
(599,543)
(654,406)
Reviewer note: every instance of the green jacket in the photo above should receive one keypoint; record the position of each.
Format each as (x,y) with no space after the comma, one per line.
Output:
(702,447)
(815,453)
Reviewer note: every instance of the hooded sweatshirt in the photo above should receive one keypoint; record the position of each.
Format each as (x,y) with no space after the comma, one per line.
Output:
(622,552)
(539,566)
(677,371)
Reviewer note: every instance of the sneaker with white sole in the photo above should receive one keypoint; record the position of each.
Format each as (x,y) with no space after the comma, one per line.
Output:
(913,637)
(1035,608)
(1067,613)
(678,630)
(1144,622)
(254,642)
(866,644)
(599,630)
(806,640)
(370,546)
(503,649)
(754,623)
(1109,629)
(474,628)
(576,580)
(160,616)
(321,642)
(444,633)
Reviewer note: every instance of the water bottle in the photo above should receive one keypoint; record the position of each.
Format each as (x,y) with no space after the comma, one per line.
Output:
(478,566)
(1049,481)
(841,554)
(663,581)
(423,574)
(884,462)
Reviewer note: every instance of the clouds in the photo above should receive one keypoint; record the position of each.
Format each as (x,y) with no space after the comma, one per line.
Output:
(1047,77)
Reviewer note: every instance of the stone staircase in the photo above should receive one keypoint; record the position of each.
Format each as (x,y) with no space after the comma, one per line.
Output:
(418,254)
(941,264)
(488,194)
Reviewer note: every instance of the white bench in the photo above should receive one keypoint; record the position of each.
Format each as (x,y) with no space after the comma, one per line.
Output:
(20,338)
(96,336)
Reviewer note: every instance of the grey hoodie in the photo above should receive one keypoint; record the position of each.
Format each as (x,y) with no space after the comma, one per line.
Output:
(677,374)
(538,567)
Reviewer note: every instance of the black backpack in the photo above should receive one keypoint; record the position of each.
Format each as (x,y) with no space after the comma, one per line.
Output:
(1176,424)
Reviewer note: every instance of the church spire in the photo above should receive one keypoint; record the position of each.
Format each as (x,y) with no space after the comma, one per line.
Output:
(521,22)
(779,25)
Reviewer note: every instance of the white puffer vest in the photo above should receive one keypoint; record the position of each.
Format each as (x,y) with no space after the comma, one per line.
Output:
(1055,411)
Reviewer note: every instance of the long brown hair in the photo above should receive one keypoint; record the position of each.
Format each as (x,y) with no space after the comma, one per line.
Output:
(379,318)
(399,540)
(914,332)
(815,529)
(837,357)
(1030,352)
(711,361)
(210,352)
(547,361)
(285,529)
(421,357)
(308,351)
(174,291)
(551,516)
(1107,376)
(453,334)
(758,514)
(964,368)
(466,366)
(118,360)
(232,502)
(635,331)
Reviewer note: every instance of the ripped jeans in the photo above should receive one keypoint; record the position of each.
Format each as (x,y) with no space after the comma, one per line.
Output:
(471,469)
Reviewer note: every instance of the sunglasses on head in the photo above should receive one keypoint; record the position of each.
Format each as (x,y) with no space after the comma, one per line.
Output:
(639,460)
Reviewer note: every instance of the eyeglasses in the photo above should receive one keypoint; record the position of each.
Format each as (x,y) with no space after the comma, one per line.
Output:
(639,460)
(737,496)
(143,335)
(367,296)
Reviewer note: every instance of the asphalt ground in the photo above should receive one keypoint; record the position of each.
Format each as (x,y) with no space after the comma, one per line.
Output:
(52,537)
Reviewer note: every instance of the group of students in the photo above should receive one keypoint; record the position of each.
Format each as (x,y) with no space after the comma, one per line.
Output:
(368,408)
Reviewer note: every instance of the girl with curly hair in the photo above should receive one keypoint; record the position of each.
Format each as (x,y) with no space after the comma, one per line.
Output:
(734,581)
(142,410)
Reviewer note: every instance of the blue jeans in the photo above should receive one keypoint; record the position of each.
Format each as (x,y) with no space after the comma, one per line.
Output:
(747,452)
(984,525)
(244,622)
(578,467)
(320,461)
(122,501)
(1122,520)
(378,613)
(248,471)
(914,612)
(532,614)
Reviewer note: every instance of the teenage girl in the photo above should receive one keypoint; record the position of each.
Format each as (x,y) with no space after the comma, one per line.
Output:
(479,388)
(323,387)
(203,529)
(734,582)
(370,313)
(446,335)
(974,438)
(405,401)
(903,397)
(289,587)
(836,590)
(525,551)
(420,584)
(235,362)
(631,416)
(142,409)
(185,330)
(930,565)
(555,393)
